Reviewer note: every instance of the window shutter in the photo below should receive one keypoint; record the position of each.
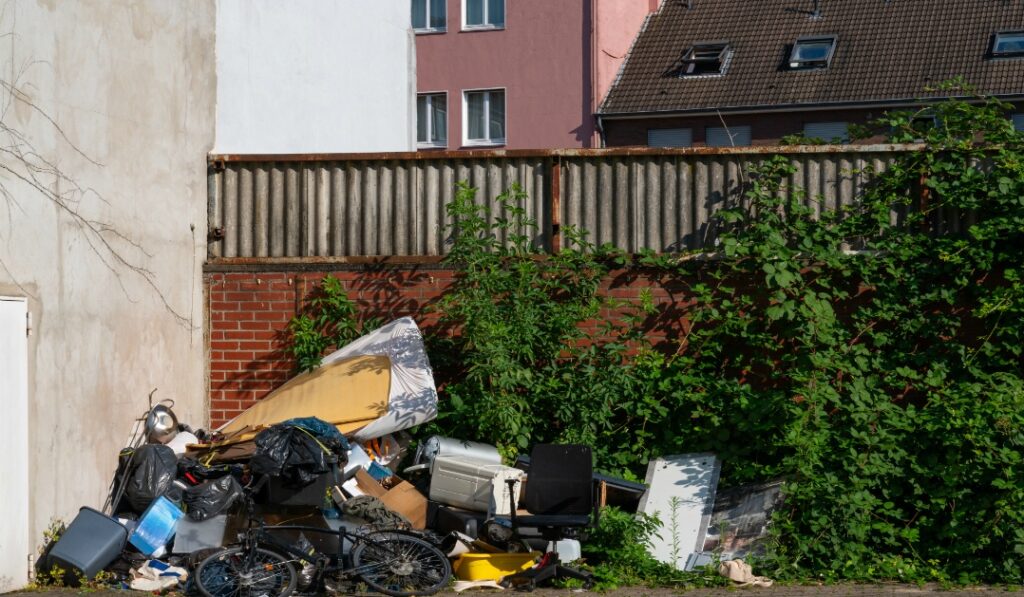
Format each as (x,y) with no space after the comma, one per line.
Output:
(669,137)
(718,136)
(827,131)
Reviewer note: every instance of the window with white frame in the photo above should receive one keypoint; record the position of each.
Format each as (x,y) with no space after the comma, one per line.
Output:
(429,16)
(432,120)
(669,137)
(483,14)
(483,117)
(733,136)
(830,132)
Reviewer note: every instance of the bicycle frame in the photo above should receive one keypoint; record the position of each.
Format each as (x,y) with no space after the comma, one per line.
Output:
(325,563)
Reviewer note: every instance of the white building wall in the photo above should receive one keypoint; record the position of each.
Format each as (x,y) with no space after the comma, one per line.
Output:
(120,97)
(315,76)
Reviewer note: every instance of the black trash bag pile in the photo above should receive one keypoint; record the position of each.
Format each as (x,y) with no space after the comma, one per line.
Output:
(296,455)
(211,497)
(153,469)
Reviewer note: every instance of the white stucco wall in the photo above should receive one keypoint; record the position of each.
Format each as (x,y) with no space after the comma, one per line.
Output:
(315,76)
(118,95)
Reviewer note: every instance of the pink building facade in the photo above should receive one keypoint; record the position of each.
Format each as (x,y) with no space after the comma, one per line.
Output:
(518,74)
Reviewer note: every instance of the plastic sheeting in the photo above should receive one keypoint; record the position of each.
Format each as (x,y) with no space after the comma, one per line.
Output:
(412,397)
(378,384)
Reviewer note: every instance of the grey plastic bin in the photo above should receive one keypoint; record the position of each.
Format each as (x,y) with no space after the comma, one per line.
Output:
(91,542)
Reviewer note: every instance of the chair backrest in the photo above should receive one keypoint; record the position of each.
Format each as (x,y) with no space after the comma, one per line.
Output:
(561,480)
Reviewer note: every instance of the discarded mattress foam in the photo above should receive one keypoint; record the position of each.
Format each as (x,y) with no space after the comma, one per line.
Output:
(379,384)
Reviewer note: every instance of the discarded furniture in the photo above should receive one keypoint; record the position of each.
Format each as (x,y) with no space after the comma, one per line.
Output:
(560,499)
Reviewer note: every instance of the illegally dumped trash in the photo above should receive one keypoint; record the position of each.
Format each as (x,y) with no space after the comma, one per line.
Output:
(152,470)
(740,573)
(376,386)
(154,575)
(682,493)
(324,453)
(210,498)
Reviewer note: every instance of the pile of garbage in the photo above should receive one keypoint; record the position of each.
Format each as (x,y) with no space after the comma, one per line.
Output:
(334,448)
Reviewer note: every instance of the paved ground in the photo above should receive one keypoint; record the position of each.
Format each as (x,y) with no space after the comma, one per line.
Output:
(775,591)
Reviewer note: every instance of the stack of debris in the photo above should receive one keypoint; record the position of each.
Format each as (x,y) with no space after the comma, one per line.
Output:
(330,444)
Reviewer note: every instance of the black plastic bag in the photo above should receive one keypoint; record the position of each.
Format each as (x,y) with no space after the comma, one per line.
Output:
(194,472)
(153,470)
(211,498)
(294,454)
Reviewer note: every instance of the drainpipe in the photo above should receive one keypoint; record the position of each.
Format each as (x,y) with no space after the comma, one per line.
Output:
(594,55)
(600,131)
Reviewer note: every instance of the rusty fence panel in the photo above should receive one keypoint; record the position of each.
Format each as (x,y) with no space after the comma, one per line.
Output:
(355,205)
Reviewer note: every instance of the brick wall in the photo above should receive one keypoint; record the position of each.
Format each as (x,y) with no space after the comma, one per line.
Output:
(765,128)
(249,312)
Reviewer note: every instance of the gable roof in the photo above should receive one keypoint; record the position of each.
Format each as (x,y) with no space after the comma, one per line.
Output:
(887,51)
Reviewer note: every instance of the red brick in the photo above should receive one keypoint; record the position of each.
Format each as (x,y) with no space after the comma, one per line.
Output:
(270,316)
(239,355)
(238,335)
(255,325)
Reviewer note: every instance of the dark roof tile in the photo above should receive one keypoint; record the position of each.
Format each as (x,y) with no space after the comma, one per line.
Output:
(888,50)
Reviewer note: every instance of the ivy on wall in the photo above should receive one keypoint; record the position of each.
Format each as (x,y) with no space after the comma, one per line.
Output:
(871,356)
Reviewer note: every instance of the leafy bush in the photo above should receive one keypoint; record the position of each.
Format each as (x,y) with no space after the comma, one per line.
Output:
(521,352)
(616,552)
(885,385)
(873,363)
(329,320)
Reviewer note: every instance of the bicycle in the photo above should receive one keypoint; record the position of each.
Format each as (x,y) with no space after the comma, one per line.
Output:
(392,561)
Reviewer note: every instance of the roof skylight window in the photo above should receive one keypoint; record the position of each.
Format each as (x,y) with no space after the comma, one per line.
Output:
(1008,43)
(706,58)
(812,52)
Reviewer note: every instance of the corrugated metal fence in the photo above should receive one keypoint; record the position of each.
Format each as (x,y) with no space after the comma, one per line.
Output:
(349,205)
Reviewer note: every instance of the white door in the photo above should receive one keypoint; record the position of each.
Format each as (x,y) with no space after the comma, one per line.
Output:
(15,544)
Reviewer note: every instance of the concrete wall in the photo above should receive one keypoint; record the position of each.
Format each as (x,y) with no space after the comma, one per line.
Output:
(312,76)
(119,96)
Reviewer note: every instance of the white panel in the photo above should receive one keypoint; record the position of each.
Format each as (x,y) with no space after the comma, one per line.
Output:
(1018,121)
(827,131)
(670,137)
(733,136)
(14,533)
(681,492)
(314,76)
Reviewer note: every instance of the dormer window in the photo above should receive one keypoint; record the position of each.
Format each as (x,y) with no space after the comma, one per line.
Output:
(812,52)
(705,58)
(1006,44)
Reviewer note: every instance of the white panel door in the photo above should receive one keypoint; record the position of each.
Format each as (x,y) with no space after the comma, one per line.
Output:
(15,543)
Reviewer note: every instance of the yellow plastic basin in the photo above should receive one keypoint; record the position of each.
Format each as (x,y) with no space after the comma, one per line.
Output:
(492,566)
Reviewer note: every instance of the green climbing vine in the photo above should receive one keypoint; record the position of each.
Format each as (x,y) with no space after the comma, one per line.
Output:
(870,356)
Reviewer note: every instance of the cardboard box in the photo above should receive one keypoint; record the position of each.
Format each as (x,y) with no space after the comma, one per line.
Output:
(402,498)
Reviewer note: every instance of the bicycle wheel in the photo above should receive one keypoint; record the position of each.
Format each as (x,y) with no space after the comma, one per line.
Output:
(236,571)
(400,565)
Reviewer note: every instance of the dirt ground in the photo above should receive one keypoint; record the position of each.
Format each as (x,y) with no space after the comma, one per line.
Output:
(775,591)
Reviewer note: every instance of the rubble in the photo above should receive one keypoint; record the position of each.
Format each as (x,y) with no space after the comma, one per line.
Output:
(326,448)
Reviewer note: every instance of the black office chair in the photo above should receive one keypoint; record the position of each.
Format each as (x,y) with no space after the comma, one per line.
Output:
(560,497)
